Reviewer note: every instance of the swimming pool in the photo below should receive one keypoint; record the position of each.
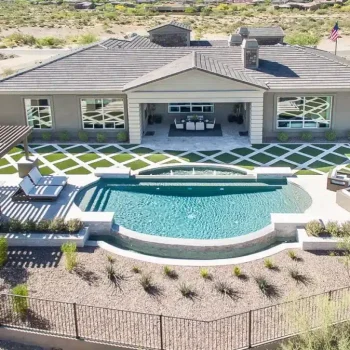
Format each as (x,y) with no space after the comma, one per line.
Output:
(208,210)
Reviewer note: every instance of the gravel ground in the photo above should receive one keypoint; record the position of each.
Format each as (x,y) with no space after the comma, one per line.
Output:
(6,345)
(43,271)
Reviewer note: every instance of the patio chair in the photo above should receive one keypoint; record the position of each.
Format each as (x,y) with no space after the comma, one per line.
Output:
(200,126)
(179,126)
(211,124)
(39,192)
(52,180)
(190,126)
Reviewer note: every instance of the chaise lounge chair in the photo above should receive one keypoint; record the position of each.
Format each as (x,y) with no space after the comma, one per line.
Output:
(39,180)
(39,192)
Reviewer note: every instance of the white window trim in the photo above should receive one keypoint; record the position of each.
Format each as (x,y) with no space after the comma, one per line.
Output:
(38,98)
(103,125)
(303,119)
(190,105)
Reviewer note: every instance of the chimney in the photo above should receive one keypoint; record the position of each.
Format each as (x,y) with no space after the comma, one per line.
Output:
(235,40)
(250,53)
(243,32)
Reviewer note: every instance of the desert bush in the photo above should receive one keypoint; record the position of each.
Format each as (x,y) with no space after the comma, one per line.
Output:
(86,39)
(18,39)
(50,41)
(169,272)
(46,136)
(345,227)
(7,72)
(282,137)
(122,136)
(302,39)
(111,273)
(147,283)
(3,251)
(100,138)
(15,225)
(64,136)
(83,136)
(73,225)
(269,264)
(57,225)
(223,288)
(334,229)
(306,136)
(43,226)
(237,271)
(110,259)
(69,251)
(187,291)
(136,269)
(292,254)
(314,228)
(266,287)
(21,302)
(204,273)
(29,226)
(330,135)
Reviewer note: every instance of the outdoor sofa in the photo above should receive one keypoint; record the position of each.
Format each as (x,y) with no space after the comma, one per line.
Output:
(51,180)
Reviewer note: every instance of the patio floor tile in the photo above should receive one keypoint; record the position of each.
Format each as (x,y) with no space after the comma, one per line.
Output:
(321,166)
(77,149)
(103,163)
(226,158)
(311,151)
(122,157)
(298,158)
(55,156)
(242,151)
(78,171)
(137,164)
(335,159)
(156,157)
(65,164)
(191,157)
(262,158)
(344,151)
(88,157)
(282,163)
(276,151)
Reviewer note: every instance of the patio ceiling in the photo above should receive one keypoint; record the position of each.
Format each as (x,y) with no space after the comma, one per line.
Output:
(12,135)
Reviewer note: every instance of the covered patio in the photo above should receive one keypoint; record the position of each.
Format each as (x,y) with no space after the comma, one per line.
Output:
(12,135)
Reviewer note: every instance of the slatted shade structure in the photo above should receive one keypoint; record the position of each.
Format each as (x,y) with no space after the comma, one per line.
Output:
(12,135)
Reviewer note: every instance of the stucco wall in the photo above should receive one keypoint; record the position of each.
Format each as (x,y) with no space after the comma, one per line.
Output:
(66,112)
(170,36)
(340,114)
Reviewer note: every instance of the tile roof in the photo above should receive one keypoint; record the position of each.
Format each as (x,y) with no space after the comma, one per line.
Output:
(135,41)
(96,68)
(194,60)
(264,31)
(174,24)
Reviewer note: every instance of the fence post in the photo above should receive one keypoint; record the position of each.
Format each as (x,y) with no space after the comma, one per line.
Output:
(161,331)
(330,295)
(76,320)
(250,329)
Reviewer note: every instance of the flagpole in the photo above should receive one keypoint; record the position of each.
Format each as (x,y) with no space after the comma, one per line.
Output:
(336,44)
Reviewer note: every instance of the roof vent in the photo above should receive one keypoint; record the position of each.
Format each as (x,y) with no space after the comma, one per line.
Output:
(250,53)
(235,40)
(243,32)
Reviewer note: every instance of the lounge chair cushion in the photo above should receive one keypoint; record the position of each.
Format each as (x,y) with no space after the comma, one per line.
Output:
(32,191)
(40,180)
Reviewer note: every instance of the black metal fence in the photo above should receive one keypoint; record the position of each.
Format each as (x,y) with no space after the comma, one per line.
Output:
(158,332)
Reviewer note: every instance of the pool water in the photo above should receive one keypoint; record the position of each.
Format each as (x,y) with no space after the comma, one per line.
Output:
(198,211)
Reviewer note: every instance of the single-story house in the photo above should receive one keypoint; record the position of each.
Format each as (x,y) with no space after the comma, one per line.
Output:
(117,85)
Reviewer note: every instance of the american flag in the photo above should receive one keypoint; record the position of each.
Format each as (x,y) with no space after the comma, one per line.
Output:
(335,33)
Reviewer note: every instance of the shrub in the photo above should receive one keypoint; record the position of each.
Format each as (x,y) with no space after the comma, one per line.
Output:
(86,39)
(265,287)
(18,39)
(345,227)
(69,250)
(110,259)
(205,274)
(20,302)
(146,283)
(333,228)
(15,225)
(187,291)
(237,271)
(330,135)
(292,254)
(314,228)
(57,225)
(100,138)
(136,269)
(3,251)
(268,263)
(297,276)
(73,225)
(111,273)
(50,41)
(223,288)
(302,39)
(43,226)
(282,137)
(7,72)
(29,226)
(306,136)
(64,136)
(169,272)
(46,136)
(83,136)
(122,136)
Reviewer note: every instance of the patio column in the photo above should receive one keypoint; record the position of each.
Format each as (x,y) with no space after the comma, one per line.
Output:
(25,145)
(256,122)
(135,126)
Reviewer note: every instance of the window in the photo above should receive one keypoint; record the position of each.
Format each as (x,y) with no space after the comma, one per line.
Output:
(202,107)
(38,113)
(307,112)
(102,113)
